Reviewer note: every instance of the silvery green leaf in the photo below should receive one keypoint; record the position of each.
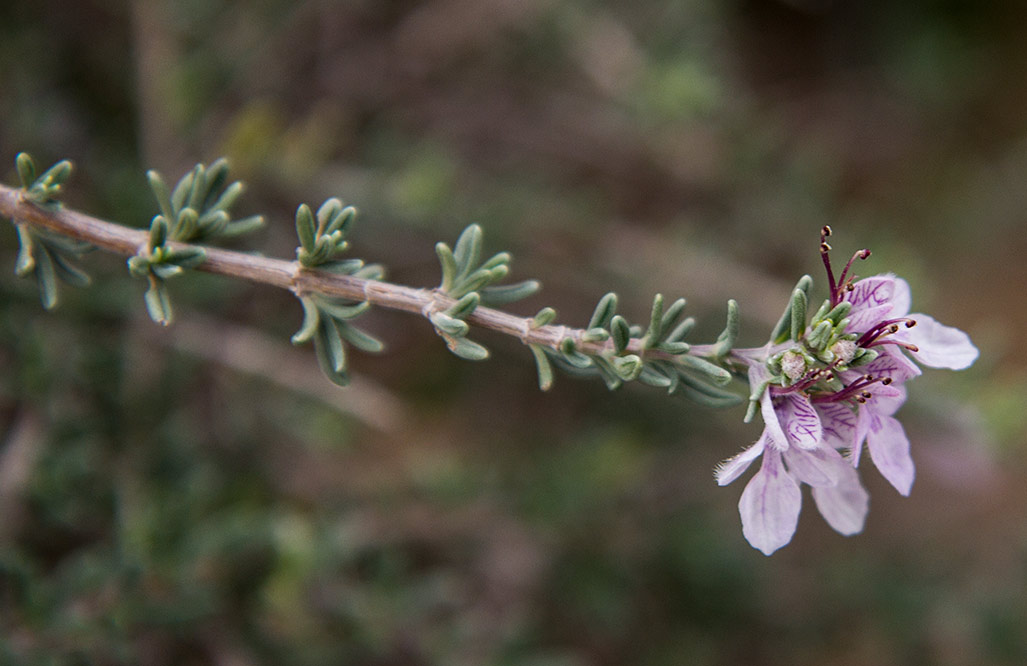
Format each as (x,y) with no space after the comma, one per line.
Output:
(158,303)
(183,189)
(655,329)
(139,266)
(448,325)
(158,232)
(722,397)
(360,339)
(26,169)
(671,316)
(608,374)
(212,223)
(653,376)
(214,178)
(727,338)
(544,317)
(674,347)
(186,257)
(627,367)
(466,349)
(620,331)
(327,362)
(331,339)
(243,226)
(341,311)
(448,264)
(839,312)
(499,259)
(704,398)
(605,309)
(716,373)
(185,227)
(468,249)
(464,306)
(595,335)
(305,227)
(327,216)
(784,325)
(226,199)
(26,262)
(798,314)
(311,321)
(509,293)
(46,276)
(681,331)
(545,368)
(166,271)
(570,353)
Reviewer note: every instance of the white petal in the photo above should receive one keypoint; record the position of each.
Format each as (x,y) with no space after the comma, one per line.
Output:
(871,300)
(775,433)
(844,505)
(732,468)
(889,449)
(800,421)
(816,467)
(940,346)
(770,506)
(901,298)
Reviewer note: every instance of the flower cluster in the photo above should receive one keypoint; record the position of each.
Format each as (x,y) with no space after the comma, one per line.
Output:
(835,385)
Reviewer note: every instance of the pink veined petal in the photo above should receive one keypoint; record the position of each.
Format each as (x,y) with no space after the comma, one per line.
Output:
(871,292)
(770,506)
(891,363)
(939,346)
(815,468)
(901,298)
(889,449)
(777,437)
(839,425)
(843,505)
(730,469)
(800,421)
(886,400)
(863,319)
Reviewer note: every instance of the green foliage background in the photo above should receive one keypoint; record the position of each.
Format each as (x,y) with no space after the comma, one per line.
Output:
(201,495)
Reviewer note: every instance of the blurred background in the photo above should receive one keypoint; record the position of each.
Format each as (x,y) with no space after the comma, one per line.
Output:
(200,495)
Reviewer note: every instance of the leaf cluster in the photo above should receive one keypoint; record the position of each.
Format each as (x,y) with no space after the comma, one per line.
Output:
(655,354)
(472,282)
(48,257)
(329,321)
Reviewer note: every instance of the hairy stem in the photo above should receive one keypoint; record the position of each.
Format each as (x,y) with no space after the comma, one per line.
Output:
(290,275)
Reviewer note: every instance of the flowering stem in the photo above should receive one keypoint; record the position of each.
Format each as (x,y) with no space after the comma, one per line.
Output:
(290,275)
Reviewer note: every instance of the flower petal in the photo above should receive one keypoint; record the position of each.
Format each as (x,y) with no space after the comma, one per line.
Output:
(799,420)
(775,433)
(940,346)
(839,425)
(871,300)
(815,468)
(770,506)
(901,298)
(730,469)
(889,449)
(843,505)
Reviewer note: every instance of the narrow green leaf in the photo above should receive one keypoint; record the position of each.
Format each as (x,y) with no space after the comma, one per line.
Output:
(26,262)
(544,367)
(570,353)
(185,227)
(674,347)
(627,367)
(464,306)
(605,309)
(798,315)
(466,349)
(653,376)
(595,335)
(726,340)
(26,170)
(448,264)
(496,260)
(682,330)
(158,302)
(327,216)
(716,373)
(620,331)
(509,293)
(46,276)
(655,329)
(671,316)
(784,325)
(360,339)
(327,362)
(544,317)
(186,257)
(311,321)
(243,226)
(226,199)
(468,249)
(341,310)
(166,271)
(68,272)
(724,397)
(448,325)
(328,333)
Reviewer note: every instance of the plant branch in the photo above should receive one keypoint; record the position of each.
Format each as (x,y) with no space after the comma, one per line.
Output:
(292,276)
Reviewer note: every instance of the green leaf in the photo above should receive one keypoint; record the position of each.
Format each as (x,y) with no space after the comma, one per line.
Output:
(722,397)
(726,340)
(544,367)
(186,257)
(784,325)
(464,306)
(158,302)
(449,267)
(26,169)
(466,349)
(605,309)
(447,325)
(716,373)
(620,331)
(341,311)
(360,339)
(468,249)
(798,314)
(497,260)
(305,227)
(165,271)
(161,193)
(671,316)
(681,331)
(655,329)
(311,320)
(544,317)
(158,233)
(509,293)
(46,276)
(26,262)
(331,339)
(653,376)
